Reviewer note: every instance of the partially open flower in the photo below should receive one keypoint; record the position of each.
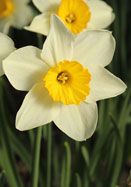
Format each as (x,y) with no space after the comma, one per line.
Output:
(64,80)
(77,15)
(16,13)
(6,47)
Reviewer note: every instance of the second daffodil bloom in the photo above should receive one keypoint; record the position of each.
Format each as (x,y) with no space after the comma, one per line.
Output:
(64,80)
(76,14)
(16,13)
(6,47)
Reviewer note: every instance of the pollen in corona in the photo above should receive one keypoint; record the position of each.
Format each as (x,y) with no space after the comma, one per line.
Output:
(6,8)
(68,82)
(75,14)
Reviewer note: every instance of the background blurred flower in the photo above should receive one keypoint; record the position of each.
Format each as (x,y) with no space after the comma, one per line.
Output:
(6,47)
(76,14)
(61,91)
(14,13)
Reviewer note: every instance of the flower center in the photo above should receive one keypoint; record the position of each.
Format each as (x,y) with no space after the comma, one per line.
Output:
(75,14)
(63,77)
(70,18)
(68,82)
(6,8)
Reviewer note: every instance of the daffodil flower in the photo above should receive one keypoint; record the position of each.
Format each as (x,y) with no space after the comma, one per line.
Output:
(76,14)
(64,80)
(16,13)
(6,47)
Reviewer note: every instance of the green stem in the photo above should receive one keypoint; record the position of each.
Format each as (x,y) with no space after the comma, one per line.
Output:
(68,164)
(36,158)
(78,180)
(63,173)
(49,152)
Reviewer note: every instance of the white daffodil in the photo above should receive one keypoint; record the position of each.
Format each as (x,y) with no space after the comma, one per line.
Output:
(6,47)
(76,14)
(16,13)
(64,80)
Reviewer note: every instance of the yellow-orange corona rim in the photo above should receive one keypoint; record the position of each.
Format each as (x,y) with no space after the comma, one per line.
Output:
(75,14)
(68,82)
(6,8)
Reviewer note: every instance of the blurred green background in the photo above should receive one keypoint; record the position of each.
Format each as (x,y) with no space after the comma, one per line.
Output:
(102,161)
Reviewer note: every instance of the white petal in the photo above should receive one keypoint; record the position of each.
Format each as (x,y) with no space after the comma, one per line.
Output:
(24,67)
(104,85)
(58,45)
(5,25)
(37,109)
(78,122)
(6,47)
(22,15)
(40,24)
(46,5)
(94,48)
(101,14)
